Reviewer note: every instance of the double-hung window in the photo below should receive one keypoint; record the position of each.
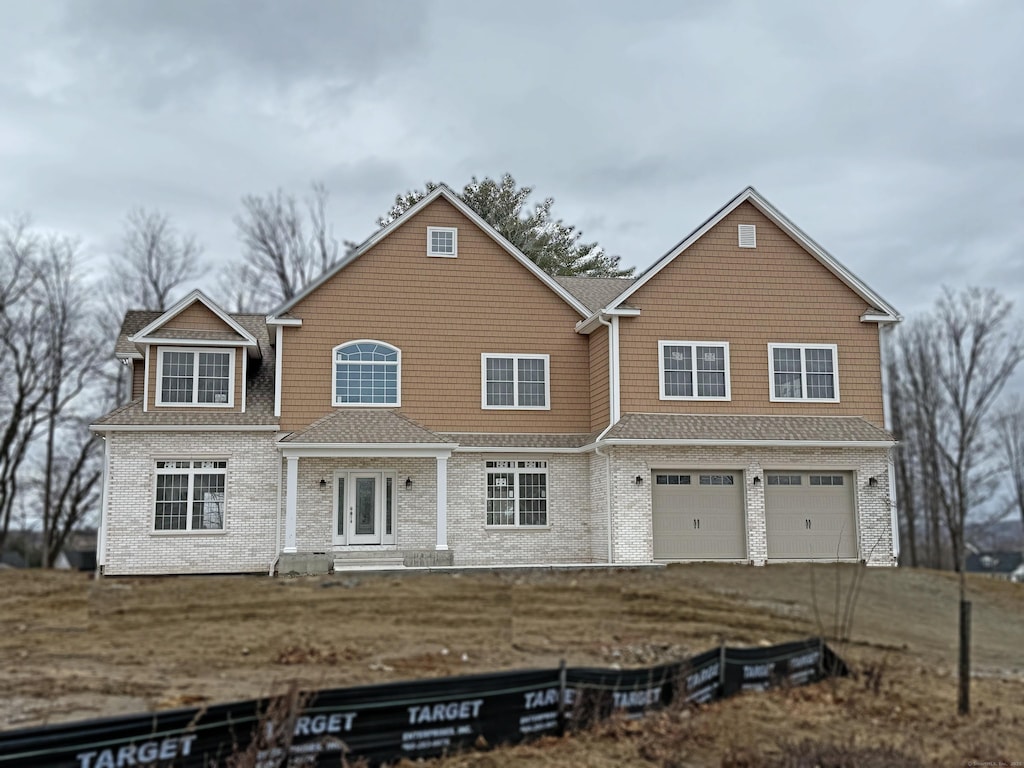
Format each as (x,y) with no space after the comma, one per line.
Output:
(367,373)
(195,376)
(190,495)
(807,372)
(694,370)
(517,493)
(515,381)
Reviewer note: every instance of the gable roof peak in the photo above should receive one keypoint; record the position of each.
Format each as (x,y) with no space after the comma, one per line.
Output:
(885,311)
(196,296)
(441,190)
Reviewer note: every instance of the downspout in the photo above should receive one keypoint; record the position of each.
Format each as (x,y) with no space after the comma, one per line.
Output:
(277,521)
(613,396)
(101,542)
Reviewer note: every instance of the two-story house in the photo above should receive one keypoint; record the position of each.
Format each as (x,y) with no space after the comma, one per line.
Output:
(437,399)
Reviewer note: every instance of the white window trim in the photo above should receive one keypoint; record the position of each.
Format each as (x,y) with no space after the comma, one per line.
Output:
(485,356)
(455,242)
(188,530)
(229,351)
(803,373)
(516,470)
(693,352)
(334,376)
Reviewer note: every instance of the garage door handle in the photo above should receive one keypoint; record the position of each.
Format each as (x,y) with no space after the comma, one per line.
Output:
(807,523)
(696,523)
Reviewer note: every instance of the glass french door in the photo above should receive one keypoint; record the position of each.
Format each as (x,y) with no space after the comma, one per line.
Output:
(363,508)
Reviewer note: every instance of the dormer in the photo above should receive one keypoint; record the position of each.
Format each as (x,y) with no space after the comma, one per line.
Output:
(195,356)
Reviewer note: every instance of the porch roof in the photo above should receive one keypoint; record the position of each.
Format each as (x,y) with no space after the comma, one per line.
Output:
(511,442)
(720,429)
(363,426)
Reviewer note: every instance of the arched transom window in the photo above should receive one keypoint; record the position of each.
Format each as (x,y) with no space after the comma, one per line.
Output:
(367,373)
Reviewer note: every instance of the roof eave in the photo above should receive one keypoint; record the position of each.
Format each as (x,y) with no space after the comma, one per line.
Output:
(751,442)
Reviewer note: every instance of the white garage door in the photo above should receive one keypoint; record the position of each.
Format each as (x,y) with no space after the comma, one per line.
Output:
(698,515)
(810,515)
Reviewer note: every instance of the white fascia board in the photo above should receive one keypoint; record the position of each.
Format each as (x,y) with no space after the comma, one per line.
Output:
(871,316)
(367,450)
(196,295)
(512,450)
(289,321)
(168,340)
(129,356)
(100,428)
(754,197)
(756,443)
(441,190)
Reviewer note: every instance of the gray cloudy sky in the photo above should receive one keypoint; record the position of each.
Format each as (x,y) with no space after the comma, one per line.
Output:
(892,132)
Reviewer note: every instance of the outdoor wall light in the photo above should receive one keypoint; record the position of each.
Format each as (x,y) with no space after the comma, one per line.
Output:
(873,482)
(408,483)
(639,480)
(757,480)
(323,484)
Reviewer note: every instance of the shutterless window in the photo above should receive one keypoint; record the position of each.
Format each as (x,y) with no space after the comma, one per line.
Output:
(672,479)
(366,373)
(195,377)
(717,480)
(826,480)
(517,493)
(694,370)
(442,241)
(515,381)
(803,372)
(190,495)
(784,480)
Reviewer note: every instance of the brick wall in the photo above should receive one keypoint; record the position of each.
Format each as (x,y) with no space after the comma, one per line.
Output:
(566,538)
(247,543)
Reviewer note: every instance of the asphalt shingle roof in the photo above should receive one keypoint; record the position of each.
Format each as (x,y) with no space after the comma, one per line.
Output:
(365,425)
(595,292)
(665,426)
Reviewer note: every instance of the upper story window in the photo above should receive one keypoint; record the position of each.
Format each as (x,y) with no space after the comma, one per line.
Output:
(199,376)
(367,373)
(694,370)
(806,372)
(443,241)
(515,381)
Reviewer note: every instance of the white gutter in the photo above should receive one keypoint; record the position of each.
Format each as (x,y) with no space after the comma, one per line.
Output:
(277,370)
(756,443)
(184,428)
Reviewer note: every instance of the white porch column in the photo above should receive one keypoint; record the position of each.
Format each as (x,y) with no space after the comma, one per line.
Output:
(442,502)
(291,503)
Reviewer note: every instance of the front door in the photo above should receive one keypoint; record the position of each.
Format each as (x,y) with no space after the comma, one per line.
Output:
(358,518)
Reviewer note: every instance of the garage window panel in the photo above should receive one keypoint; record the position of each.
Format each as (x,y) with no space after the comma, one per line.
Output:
(784,479)
(826,480)
(717,480)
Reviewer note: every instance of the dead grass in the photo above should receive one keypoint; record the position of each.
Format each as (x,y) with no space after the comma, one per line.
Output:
(77,648)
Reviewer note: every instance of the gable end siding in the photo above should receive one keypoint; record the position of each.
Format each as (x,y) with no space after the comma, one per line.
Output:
(750,297)
(442,314)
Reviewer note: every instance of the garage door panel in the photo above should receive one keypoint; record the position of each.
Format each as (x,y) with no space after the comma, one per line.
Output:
(810,515)
(698,515)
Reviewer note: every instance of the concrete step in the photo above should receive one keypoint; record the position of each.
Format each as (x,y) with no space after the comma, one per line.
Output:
(369,562)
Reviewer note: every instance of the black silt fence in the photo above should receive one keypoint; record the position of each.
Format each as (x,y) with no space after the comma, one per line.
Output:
(423,718)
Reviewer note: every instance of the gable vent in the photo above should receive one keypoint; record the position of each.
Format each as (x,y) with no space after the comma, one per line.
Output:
(748,236)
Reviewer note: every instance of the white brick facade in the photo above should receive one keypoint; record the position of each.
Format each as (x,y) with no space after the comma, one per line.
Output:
(247,543)
(578,503)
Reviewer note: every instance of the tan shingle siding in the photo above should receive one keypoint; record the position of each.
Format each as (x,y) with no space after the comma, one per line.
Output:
(442,313)
(776,293)
(138,378)
(196,317)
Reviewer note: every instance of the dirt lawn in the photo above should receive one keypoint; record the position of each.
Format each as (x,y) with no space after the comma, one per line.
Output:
(72,647)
